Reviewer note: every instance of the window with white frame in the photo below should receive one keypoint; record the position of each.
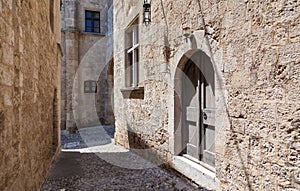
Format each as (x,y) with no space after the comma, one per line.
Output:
(132,55)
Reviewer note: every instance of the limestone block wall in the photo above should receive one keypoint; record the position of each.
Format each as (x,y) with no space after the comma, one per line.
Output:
(30,57)
(69,62)
(86,58)
(140,123)
(254,47)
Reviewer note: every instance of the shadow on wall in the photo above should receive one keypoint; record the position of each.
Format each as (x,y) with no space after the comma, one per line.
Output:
(105,96)
(1,121)
(55,133)
(140,145)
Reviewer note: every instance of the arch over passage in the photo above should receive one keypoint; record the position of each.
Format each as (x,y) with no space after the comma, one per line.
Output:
(195,108)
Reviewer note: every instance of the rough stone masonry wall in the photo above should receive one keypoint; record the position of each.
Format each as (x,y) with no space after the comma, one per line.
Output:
(29,91)
(259,62)
(261,59)
(140,123)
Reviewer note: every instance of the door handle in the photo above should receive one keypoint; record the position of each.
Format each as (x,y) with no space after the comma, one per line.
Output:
(204,116)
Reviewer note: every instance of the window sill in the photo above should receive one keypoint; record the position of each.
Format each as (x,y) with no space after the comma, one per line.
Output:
(92,33)
(133,93)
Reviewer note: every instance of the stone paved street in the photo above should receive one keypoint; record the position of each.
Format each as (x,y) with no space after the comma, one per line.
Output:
(90,161)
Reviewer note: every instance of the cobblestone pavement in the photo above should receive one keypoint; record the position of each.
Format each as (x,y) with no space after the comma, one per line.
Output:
(88,162)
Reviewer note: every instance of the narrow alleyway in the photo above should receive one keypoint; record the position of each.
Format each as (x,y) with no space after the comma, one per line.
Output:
(90,161)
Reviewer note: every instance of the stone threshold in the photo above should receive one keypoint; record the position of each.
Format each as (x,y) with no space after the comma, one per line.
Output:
(196,172)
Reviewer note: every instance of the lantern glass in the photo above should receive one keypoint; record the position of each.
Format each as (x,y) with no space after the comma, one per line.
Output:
(147,12)
(147,16)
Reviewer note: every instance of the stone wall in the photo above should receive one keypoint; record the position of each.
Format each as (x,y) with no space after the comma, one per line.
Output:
(137,119)
(254,46)
(85,58)
(30,57)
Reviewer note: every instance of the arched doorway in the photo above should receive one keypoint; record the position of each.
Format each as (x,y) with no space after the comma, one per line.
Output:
(195,108)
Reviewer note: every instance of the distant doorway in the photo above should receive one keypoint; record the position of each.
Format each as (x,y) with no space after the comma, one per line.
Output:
(196,97)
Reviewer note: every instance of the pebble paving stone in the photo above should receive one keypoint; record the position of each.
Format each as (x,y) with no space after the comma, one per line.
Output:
(80,167)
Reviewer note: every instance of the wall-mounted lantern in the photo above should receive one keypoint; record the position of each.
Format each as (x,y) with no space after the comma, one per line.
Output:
(147,12)
(187,32)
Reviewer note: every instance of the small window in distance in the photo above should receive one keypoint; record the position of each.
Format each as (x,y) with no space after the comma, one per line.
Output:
(132,55)
(92,21)
(90,86)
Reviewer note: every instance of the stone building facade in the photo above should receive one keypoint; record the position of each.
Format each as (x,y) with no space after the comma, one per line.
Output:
(87,65)
(30,57)
(220,104)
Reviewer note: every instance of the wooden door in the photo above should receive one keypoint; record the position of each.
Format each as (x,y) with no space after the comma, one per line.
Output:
(207,124)
(198,101)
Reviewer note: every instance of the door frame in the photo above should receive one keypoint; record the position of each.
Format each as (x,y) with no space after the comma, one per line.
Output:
(201,61)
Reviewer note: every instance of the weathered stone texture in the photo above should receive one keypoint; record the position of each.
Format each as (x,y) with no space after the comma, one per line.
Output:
(86,57)
(29,91)
(255,48)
